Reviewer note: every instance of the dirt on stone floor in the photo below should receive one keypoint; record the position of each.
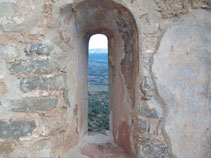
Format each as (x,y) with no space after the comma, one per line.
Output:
(98,145)
(106,150)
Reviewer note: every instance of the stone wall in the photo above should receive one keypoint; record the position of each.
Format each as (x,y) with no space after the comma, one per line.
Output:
(33,96)
(42,76)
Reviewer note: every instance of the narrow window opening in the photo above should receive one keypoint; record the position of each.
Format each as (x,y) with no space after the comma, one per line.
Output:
(98,84)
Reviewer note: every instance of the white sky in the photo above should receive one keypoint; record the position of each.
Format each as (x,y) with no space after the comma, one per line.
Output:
(98,41)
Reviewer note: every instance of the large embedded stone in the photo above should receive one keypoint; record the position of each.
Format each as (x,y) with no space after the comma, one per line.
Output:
(146,63)
(32,104)
(37,49)
(156,106)
(152,151)
(34,66)
(41,83)
(16,129)
(147,87)
(148,112)
(143,139)
(143,126)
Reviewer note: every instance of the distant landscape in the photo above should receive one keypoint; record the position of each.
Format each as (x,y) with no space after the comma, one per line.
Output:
(98,93)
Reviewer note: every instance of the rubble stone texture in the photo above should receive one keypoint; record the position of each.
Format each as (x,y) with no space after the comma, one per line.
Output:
(159,65)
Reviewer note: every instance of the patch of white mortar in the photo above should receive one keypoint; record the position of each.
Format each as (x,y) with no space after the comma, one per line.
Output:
(44,57)
(28,138)
(8,1)
(18,20)
(37,30)
(149,51)
(45,93)
(2,140)
(5,20)
(37,93)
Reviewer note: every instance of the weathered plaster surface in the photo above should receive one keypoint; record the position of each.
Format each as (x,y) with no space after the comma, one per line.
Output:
(19,15)
(182,72)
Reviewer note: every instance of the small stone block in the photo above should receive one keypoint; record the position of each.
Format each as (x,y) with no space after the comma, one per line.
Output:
(36,49)
(33,104)
(16,129)
(148,112)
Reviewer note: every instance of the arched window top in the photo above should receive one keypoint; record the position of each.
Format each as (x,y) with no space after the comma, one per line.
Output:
(98,41)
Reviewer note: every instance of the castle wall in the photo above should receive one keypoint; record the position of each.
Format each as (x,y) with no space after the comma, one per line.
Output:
(160,61)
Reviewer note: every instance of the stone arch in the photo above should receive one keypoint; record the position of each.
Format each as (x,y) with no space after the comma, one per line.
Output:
(76,25)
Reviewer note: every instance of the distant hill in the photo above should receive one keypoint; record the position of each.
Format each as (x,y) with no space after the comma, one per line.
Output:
(99,50)
(98,56)
(98,67)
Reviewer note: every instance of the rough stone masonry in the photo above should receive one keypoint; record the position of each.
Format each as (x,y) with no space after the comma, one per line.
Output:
(160,78)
